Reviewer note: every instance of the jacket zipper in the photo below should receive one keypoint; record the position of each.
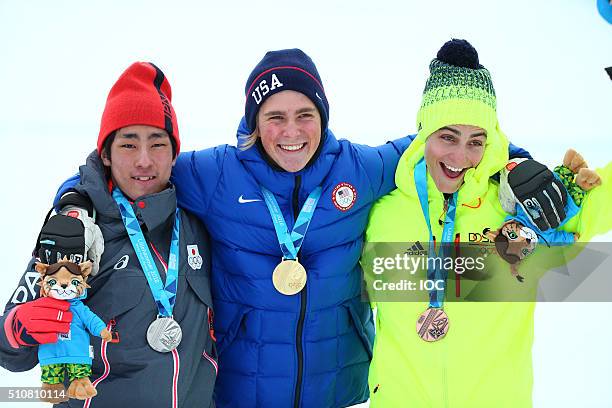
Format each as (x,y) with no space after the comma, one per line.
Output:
(105,360)
(300,327)
(445,396)
(445,377)
(211,331)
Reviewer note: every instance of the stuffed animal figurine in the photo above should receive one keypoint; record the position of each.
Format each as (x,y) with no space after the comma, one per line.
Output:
(66,280)
(517,238)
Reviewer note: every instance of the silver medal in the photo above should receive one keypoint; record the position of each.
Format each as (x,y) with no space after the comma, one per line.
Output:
(164,334)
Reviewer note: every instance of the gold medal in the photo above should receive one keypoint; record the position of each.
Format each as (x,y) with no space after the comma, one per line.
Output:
(432,324)
(289,277)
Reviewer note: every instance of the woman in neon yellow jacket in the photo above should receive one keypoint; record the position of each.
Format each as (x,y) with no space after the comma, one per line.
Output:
(484,360)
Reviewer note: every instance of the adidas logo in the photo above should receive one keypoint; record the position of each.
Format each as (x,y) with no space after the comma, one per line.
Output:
(416,249)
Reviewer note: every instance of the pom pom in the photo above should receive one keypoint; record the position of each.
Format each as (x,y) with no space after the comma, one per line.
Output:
(459,53)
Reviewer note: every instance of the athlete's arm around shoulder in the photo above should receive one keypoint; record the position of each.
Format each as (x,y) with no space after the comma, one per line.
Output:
(380,162)
(196,175)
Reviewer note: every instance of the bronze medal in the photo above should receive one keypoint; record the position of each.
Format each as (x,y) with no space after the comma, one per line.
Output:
(289,277)
(432,324)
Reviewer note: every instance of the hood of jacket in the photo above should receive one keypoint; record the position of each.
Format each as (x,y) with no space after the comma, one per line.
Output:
(476,179)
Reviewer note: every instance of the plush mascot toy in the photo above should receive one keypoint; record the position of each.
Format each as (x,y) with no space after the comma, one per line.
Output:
(66,280)
(518,237)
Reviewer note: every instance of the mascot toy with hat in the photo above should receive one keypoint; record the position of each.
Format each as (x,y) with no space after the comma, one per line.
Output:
(65,280)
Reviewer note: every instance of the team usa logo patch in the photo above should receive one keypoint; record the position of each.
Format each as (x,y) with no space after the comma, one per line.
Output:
(193,257)
(344,196)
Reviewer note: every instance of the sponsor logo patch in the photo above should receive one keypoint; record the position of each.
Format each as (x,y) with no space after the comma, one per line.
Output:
(122,263)
(243,200)
(416,249)
(478,237)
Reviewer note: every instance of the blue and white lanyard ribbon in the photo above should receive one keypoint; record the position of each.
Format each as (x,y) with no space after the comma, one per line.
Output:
(164,295)
(291,242)
(436,297)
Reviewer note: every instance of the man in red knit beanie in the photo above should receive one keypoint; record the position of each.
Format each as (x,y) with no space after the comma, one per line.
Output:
(153,283)
(139,108)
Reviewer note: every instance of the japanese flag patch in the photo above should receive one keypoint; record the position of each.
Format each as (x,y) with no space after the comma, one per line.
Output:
(193,257)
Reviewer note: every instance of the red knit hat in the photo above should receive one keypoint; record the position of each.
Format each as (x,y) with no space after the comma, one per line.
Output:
(141,96)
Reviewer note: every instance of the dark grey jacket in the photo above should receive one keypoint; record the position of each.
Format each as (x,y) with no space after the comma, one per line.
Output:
(130,373)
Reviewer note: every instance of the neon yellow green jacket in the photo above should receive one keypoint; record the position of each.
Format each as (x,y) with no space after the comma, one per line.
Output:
(485,359)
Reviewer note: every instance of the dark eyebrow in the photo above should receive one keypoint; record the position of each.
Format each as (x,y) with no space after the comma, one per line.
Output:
(154,135)
(299,111)
(274,113)
(128,136)
(451,130)
(456,132)
(305,110)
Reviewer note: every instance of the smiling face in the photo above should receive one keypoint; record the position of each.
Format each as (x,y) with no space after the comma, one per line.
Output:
(140,160)
(289,125)
(451,151)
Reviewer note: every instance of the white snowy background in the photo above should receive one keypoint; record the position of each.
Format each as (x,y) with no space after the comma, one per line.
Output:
(59,59)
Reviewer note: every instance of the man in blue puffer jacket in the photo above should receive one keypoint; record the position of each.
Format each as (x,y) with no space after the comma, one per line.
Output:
(312,348)
(276,349)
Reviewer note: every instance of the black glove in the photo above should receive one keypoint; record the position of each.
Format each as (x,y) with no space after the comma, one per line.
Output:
(71,233)
(62,236)
(535,188)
